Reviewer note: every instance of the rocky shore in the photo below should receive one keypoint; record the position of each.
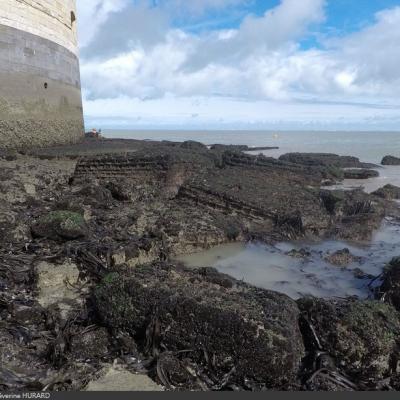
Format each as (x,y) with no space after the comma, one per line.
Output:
(90,294)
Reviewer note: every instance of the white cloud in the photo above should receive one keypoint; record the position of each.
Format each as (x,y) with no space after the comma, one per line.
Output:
(260,62)
(376,50)
(198,7)
(92,14)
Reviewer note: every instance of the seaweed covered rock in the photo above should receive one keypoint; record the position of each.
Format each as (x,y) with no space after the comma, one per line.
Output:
(389,192)
(248,333)
(390,289)
(360,336)
(390,160)
(60,225)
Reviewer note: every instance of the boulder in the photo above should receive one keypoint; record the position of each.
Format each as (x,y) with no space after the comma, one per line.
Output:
(60,225)
(96,195)
(361,336)
(360,173)
(342,258)
(390,288)
(249,333)
(389,192)
(390,160)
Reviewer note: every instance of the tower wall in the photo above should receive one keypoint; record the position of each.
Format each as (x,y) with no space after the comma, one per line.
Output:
(40,95)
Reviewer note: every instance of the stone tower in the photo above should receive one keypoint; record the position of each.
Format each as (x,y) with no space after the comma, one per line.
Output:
(40,95)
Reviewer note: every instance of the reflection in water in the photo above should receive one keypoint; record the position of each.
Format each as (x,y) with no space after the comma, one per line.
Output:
(271,268)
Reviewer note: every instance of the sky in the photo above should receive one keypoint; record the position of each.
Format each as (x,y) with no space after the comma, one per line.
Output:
(240,64)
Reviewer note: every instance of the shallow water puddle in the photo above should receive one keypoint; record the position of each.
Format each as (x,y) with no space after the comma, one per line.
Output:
(270,267)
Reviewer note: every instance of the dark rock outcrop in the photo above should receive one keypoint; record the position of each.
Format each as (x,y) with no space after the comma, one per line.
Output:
(308,172)
(360,173)
(240,148)
(193,145)
(267,197)
(390,160)
(250,333)
(324,159)
(389,192)
(229,147)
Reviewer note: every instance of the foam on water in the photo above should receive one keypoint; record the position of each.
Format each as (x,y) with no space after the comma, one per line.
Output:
(271,268)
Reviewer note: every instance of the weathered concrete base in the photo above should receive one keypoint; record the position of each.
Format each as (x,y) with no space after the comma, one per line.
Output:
(40,97)
(22,134)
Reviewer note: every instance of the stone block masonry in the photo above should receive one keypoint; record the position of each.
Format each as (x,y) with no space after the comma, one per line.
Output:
(40,95)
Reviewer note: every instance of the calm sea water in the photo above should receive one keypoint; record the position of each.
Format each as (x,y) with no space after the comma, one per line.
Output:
(368,146)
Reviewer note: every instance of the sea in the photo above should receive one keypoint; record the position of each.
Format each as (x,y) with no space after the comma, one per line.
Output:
(270,267)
